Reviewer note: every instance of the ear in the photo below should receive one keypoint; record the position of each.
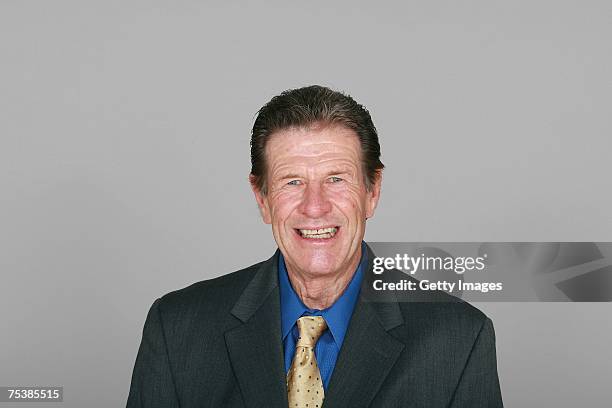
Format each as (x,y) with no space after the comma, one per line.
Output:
(374,195)
(262,201)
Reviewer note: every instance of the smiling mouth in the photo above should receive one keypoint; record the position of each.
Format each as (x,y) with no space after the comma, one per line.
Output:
(321,233)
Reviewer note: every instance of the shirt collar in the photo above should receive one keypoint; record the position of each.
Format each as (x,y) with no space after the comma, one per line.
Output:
(337,315)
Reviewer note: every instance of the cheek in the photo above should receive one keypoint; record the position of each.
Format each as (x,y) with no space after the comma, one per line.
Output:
(350,202)
(282,205)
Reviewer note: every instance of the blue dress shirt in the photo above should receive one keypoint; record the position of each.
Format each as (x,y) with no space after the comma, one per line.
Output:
(337,317)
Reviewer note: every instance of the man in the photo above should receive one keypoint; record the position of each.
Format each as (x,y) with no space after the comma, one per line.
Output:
(302,329)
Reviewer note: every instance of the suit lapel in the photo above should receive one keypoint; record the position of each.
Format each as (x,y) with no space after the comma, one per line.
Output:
(256,351)
(255,346)
(368,352)
(365,359)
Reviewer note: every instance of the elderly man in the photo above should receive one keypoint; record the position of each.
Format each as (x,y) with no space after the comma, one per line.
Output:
(299,330)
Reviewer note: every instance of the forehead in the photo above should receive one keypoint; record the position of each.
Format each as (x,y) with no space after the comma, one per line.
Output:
(315,142)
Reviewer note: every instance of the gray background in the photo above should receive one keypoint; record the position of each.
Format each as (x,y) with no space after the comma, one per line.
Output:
(124,159)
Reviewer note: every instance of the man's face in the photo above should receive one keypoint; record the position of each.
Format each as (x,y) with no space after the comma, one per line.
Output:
(317,202)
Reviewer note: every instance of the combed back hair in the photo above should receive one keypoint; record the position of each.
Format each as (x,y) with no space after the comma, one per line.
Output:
(312,106)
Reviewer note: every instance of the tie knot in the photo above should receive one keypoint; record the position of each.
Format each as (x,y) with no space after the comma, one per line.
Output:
(310,329)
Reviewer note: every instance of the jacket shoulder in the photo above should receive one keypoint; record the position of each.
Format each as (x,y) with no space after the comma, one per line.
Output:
(431,306)
(217,294)
(447,316)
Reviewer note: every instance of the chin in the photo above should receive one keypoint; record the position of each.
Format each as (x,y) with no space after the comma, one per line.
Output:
(316,257)
(320,264)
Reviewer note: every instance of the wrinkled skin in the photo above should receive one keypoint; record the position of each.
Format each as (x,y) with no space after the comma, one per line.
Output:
(315,180)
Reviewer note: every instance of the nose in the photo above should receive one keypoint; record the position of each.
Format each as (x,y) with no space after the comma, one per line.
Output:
(315,202)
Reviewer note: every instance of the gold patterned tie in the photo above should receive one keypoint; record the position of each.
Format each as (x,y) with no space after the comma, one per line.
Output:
(304,382)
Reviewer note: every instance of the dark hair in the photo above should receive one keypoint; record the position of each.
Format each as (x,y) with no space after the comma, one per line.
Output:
(308,106)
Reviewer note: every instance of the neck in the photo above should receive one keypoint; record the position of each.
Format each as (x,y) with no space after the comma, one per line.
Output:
(321,291)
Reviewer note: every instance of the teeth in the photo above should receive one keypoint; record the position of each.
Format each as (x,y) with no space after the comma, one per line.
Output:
(319,233)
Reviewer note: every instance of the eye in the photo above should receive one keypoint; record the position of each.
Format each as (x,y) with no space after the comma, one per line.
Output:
(294,183)
(335,179)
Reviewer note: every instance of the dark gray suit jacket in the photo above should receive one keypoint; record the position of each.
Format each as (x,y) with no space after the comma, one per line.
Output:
(217,343)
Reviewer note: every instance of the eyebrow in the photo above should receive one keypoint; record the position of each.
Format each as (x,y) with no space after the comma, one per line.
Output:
(289,175)
(338,170)
(331,171)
